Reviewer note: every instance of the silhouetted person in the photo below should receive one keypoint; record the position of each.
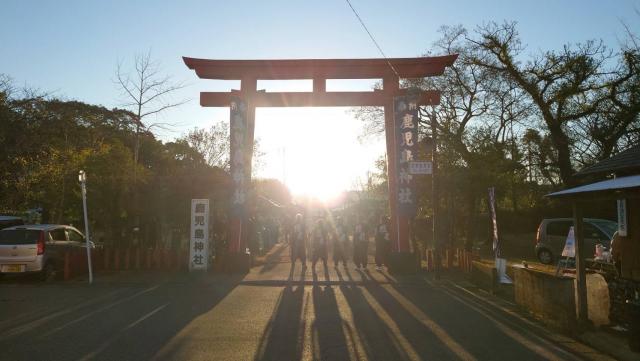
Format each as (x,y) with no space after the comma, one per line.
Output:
(360,244)
(319,243)
(383,242)
(340,243)
(287,225)
(298,241)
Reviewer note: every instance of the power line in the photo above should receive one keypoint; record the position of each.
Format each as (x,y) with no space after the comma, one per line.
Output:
(373,39)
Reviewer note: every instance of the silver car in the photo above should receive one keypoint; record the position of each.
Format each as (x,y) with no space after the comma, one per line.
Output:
(38,248)
(552,235)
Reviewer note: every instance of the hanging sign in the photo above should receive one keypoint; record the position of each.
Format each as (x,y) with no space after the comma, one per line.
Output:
(240,156)
(199,240)
(406,122)
(622,217)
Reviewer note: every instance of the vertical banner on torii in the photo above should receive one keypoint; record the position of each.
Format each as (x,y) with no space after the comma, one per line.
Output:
(240,174)
(406,129)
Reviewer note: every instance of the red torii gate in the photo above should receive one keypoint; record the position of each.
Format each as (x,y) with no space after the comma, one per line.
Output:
(319,70)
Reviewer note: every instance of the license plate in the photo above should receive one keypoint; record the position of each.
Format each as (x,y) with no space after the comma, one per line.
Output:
(12,268)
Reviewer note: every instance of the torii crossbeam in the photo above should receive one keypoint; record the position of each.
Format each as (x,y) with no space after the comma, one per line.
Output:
(319,70)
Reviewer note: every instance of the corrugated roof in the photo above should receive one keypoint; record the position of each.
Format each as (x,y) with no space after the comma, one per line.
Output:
(628,160)
(607,185)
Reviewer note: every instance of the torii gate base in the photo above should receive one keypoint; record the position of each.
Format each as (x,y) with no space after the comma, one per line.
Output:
(389,70)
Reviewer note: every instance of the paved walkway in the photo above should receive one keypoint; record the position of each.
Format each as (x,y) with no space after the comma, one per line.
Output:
(275,312)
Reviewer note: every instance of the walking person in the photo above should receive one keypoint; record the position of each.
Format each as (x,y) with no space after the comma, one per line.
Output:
(340,241)
(383,242)
(319,239)
(287,227)
(360,244)
(298,241)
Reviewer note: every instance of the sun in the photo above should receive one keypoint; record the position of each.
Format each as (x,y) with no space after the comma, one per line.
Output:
(314,151)
(322,187)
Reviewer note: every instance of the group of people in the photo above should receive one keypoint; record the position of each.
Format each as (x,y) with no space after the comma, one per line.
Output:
(337,234)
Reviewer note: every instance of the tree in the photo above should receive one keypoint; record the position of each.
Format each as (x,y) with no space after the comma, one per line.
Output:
(46,141)
(147,93)
(567,88)
(214,145)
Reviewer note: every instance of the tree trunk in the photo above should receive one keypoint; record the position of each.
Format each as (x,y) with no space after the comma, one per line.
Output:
(561,144)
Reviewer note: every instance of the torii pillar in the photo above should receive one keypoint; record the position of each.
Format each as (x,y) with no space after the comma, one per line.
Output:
(319,70)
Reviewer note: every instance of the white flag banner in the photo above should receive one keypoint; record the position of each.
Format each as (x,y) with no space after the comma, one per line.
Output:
(570,245)
(501,263)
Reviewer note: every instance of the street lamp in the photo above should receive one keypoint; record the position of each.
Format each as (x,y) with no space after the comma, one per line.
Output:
(82,177)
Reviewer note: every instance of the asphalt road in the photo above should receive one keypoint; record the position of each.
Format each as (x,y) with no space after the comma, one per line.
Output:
(273,313)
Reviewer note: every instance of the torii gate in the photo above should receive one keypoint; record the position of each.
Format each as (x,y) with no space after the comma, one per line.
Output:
(319,70)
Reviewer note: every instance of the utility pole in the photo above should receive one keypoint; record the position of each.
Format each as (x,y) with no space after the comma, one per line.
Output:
(82,177)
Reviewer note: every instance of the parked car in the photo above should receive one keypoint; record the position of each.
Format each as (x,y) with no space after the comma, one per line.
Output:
(552,235)
(10,221)
(38,249)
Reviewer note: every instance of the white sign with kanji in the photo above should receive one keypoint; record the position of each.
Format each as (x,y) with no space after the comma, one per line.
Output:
(622,217)
(199,244)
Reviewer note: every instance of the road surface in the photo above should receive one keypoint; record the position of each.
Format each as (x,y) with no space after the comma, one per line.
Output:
(273,313)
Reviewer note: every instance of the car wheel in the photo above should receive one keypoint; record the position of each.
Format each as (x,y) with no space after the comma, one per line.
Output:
(48,273)
(545,256)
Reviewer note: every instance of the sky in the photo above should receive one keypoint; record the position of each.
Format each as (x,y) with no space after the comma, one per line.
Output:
(71,49)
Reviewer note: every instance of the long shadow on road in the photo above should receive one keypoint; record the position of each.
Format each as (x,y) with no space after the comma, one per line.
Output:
(283,338)
(327,329)
(458,326)
(114,322)
(375,337)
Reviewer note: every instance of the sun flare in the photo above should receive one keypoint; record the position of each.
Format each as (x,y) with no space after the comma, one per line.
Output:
(323,188)
(315,151)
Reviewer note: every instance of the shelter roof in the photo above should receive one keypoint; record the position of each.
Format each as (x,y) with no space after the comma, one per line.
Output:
(603,188)
(625,162)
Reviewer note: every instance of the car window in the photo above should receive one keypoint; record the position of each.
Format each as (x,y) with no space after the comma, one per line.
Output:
(608,227)
(559,228)
(74,236)
(6,223)
(19,236)
(590,231)
(58,234)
